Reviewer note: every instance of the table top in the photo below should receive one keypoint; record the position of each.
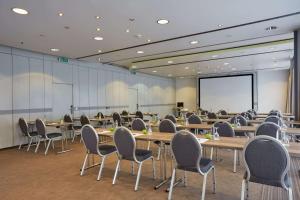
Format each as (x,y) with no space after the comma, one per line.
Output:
(224,142)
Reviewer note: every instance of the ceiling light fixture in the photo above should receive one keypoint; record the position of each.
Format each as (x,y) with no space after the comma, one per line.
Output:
(97,17)
(133,66)
(127,30)
(98,38)
(154,71)
(98,29)
(148,40)
(215,56)
(220,25)
(186,68)
(170,61)
(54,50)
(99,51)
(194,42)
(20,11)
(271,28)
(169,75)
(199,72)
(162,21)
(226,63)
(60,14)
(139,52)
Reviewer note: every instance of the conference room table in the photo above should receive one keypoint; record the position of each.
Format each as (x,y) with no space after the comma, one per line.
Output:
(286,117)
(234,143)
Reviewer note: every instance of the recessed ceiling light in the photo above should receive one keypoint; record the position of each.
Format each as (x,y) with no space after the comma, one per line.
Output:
(154,71)
(98,29)
(133,66)
(140,52)
(138,35)
(271,28)
(20,11)
(127,30)
(97,17)
(60,14)
(186,68)
(148,40)
(226,63)
(169,74)
(215,56)
(162,21)
(170,61)
(194,42)
(98,38)
(54,50)
(220,25)
(99,51)
(199,72)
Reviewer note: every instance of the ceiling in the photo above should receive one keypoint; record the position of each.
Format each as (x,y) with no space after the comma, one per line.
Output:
(230,31)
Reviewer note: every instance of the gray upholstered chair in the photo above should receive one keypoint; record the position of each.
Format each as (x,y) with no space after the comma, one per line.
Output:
(139,114)
(270,129)
(165,126)
(275,119)
(194,119)
(204,112)
(91,142)
(188,114)
(30,135)
(275,113)
(222,112)
(267,162)
(187,152)
(75,130)
(138,125)
(44,136)
(171,117)
(117,118)
(126,149)
(243,122)
(84,120)
(212,115)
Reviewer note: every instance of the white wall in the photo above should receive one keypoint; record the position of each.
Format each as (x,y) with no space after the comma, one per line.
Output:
(26,80)
(186,91)
(272,90)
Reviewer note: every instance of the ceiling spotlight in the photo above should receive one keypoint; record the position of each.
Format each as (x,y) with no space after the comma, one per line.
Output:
(194,42)
(133,66)
(98,29)
(54,50)
(220,25)
(215,56)
(97,17)
(98,38)
(127,30)
(20,11)
(139,52)
(186,68)
(271,28)
(60,14)
(170,61)
(162,21)
(226,63)
(99,51)
(139,35)
(154,71)
(148,40)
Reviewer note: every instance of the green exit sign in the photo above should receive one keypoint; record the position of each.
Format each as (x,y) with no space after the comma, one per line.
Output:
(63,59)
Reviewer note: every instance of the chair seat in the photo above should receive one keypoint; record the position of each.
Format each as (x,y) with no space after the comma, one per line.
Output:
(33,134)
(287,181)
(106,149)
(54,135)
(142,154)
(205,165)
(77,127)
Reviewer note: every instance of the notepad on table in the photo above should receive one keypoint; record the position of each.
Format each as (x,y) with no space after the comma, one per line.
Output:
(202,140)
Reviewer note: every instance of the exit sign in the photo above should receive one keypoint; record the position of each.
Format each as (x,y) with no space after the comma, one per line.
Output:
(63,59)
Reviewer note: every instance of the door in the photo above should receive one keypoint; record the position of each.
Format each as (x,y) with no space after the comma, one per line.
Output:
(133,100)
(62,100)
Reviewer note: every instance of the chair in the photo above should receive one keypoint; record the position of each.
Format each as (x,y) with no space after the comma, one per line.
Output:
(194,119)
(188,114)
(275,119)
(204,112)
(75,130)
(126,150)
(187,152)
(253,112)
(165,126)
(270,129)
(138,125)
(31,135)
(171,117)
(212,115)
(125,113)
(91,142)
(117,118)
(222,112)
(139,114)
(84,120)
(242,121)
(44,136)
(267,162)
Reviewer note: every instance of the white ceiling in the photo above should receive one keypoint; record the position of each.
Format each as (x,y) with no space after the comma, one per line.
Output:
(243,23)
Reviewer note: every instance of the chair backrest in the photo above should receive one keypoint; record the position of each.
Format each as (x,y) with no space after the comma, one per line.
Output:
(40,128)
(124,112)
(90,139)
(125,143)
(167,126)
(67,118)
(188,114)
(242,120)
(171,117)
(212,115)
(275,113)
(139,114)
(275,119)
(204,112)
(224,129)
(138,125)
(100,115)
(268,128)
(267,161)
(23,126)
(84,120)
(222,112)
(194,119)
(186,150)
(252,111)
(117,117)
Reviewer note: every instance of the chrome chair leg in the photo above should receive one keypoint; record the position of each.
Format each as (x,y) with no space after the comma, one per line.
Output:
(184,178)
(116,172)
(204,187)
(138,176)
(29,145)
(214,180)
(48,147)
(158,153)
(243,190)
(84,163)
(172,184)
(153,168)
(101,168)
(37,146)
(290,193)
(132,167)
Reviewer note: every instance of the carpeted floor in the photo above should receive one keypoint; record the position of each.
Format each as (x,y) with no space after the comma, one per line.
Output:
(26,175)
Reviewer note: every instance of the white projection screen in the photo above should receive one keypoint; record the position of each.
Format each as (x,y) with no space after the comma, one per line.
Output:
(231,93)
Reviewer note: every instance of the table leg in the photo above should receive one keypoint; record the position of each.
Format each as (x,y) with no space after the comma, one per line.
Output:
(163,168)
(63,150)
(234,161)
